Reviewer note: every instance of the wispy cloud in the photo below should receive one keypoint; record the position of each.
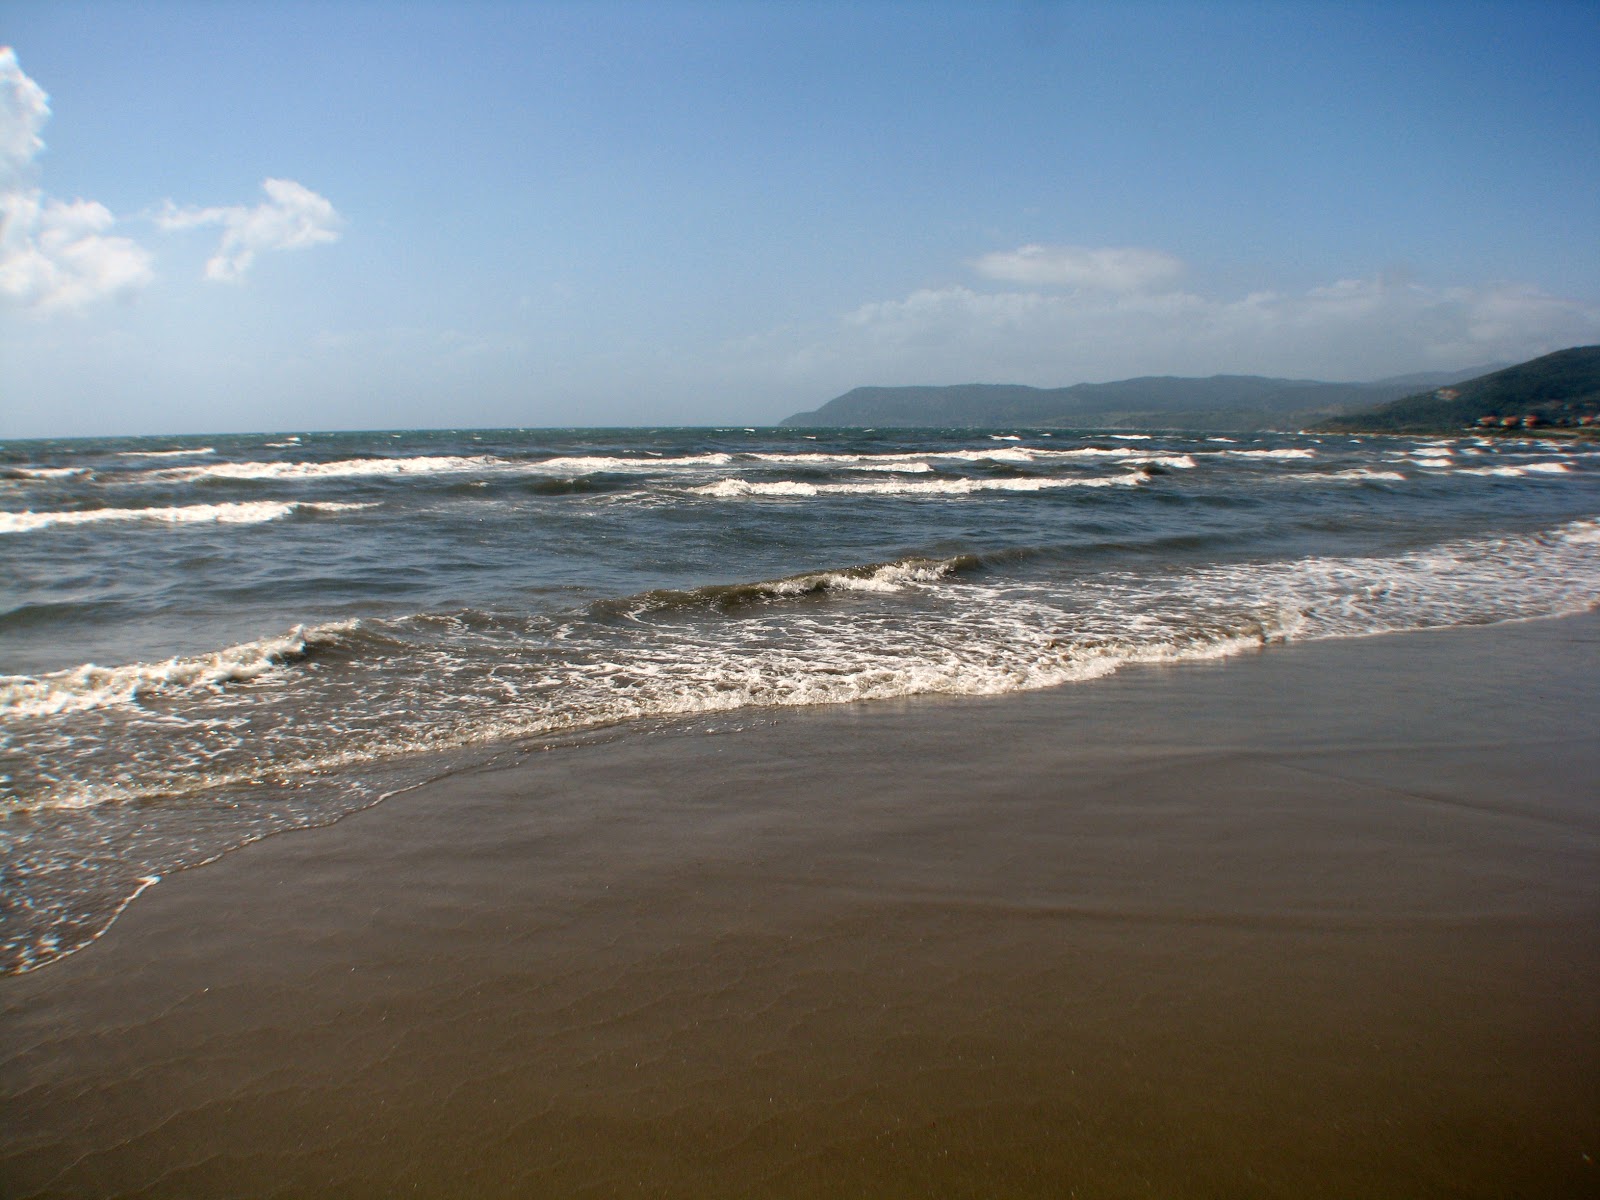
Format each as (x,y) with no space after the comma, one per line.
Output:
(53,254)
(1351,329)
(292,217)
(1106,268)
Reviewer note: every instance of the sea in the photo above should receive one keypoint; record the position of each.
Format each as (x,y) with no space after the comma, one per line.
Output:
(207,640)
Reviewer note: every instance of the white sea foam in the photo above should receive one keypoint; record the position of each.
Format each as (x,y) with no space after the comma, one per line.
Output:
(1354,475)
(729,489)
(1025,455)
(91,686)
(897,468)
(999,454)
(1517,472)
(338,469)
(47,472)
(586,465)
(197,451)
(909,463)
(1284,452)
(441,464)
(891,577)
(1019,455)
(254,512)
(984,635)
(1019,636)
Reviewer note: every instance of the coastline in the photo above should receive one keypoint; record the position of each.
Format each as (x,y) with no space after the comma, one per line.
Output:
(1318,921)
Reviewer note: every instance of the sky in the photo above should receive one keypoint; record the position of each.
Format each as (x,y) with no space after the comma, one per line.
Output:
(264,216)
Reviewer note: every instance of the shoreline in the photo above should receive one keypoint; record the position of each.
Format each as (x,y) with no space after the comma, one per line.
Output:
(1319,920)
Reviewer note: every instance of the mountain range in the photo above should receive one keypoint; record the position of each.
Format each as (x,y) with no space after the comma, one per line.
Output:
(1559,391)
(1218,402)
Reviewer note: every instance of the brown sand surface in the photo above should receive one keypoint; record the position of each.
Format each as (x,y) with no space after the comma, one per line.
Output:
(1318,922)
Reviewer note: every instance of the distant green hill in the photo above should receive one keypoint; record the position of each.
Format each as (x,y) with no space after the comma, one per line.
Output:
(1557,391)
(1219,402)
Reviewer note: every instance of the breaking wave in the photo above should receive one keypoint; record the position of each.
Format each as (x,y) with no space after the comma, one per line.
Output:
(91,686)
(195,453)
(733,489)
(438,464)
(237,513)
(732,597)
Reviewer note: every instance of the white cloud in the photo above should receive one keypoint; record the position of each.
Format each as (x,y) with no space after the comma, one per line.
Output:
(61,255)
(56,256)
(1106,268)
(24,108)
(291,218)
(1348,330)
(53,255)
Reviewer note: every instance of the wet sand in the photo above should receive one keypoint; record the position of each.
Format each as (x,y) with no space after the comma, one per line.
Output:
(1318,922)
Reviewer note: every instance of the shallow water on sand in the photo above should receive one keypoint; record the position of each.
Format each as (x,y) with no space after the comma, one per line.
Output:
(1317,922)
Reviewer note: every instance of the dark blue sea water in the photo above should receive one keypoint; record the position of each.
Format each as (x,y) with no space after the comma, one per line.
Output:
(204,640)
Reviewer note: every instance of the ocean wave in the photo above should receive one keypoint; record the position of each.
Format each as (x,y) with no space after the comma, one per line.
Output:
(909,464)
(1029,454)
(196,452)
(1016,455)
(239,513)
(428,464)
(1519,471)
(1129,455)
(336,469)
(734,489)
(1353,475)
(446,681)
(874,577)
(898,468)
(90,687)
(585,464)
(42,472)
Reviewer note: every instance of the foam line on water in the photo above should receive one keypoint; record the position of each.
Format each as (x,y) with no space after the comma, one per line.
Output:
(235,513)
(734,489)
(90,686)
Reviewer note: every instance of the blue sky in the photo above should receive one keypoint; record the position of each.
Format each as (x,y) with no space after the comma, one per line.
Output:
(276,216)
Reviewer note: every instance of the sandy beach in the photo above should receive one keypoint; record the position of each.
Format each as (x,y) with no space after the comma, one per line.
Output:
(1318,921)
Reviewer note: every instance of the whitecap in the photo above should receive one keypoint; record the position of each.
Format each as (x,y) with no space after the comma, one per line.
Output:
(196,452)
(727,489)
(237,513)
(46,472)
(1516,472)
(90,686)
(1356,475)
